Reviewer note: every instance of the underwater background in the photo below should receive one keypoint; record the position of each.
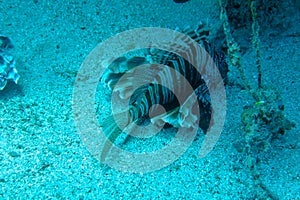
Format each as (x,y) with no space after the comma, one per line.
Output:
(41,153)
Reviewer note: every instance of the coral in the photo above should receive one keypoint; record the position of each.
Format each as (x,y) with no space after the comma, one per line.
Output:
(7,63)
(233,48)
(255,41)
(269,13)
(264,119)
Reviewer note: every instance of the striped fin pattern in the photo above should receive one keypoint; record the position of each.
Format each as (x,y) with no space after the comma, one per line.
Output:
(148,95)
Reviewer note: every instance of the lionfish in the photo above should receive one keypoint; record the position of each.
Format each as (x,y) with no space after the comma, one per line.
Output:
(142,99)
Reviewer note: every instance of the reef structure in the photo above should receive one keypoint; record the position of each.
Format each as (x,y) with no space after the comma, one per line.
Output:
(7,63)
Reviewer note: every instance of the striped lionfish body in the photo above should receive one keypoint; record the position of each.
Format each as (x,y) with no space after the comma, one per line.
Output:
(144,98)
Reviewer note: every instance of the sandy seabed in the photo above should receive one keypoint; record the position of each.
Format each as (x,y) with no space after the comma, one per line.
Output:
(41,154)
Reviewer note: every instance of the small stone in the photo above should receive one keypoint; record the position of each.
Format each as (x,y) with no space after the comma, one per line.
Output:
(14,154)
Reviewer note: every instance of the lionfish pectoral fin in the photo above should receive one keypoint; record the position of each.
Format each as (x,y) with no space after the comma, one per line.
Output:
(112,130)
(170,117)
(187,118)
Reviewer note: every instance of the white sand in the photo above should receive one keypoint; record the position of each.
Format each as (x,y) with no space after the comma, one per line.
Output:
(43,157)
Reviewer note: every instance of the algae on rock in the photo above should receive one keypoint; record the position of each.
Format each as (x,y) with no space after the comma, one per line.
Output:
(264,120)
